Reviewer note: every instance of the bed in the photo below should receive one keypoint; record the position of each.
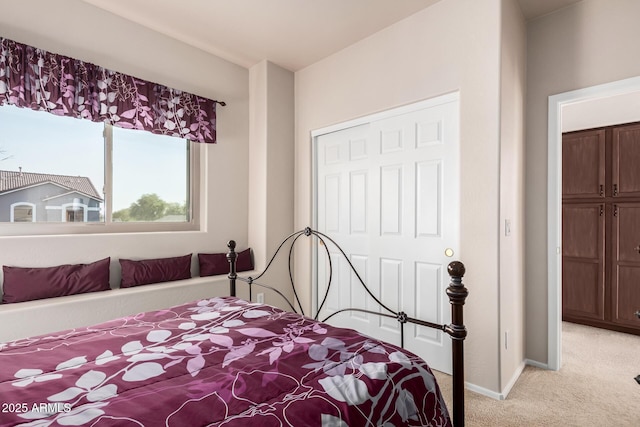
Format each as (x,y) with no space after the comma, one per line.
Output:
(229,362)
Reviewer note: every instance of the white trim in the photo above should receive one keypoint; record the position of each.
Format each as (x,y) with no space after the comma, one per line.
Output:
(484,391)
(513,381)
(536,364)
(554,203)
(505,392)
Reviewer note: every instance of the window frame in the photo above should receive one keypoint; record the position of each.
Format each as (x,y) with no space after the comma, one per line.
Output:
(15,205)
(194,202)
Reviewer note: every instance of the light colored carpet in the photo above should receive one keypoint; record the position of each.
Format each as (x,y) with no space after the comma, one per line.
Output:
(595,386)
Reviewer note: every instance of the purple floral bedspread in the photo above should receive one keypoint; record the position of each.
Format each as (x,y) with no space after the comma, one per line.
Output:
(220,361)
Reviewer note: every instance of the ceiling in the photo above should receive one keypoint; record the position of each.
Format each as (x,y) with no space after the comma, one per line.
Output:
(290,33)
(536,8)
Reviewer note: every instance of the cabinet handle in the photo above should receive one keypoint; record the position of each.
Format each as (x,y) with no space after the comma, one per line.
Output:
(601,210)
(615,189)
(637,249)
(637,313)
(601,190)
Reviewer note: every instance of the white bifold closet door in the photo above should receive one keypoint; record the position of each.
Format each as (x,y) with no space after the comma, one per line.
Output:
(387,190)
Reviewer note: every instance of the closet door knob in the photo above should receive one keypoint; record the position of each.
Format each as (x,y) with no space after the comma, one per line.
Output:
(637,313)
(637,248)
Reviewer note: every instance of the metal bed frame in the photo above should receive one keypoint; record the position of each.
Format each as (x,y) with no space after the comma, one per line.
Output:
(457,293)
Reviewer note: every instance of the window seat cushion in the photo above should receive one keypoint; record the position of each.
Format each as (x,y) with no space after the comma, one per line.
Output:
(214,264)
(158,270)
(32,283)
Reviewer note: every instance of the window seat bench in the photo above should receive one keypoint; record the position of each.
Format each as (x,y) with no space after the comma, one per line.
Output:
(31,318)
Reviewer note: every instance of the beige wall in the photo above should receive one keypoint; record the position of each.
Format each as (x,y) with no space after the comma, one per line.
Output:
(590,43)
(512,98)
(451,46)
(99,37)
(271,164)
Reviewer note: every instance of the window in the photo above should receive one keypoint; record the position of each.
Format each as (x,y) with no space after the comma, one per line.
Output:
(60,171)
(150,177)
(22,212)
(75,215)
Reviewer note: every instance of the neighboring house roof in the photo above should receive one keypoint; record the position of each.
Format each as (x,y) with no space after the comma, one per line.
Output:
(12,181)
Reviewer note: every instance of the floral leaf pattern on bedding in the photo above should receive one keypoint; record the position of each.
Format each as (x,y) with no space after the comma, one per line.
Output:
(219,361)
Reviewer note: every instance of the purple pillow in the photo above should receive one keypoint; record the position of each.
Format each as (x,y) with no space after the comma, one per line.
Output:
(26,284)
(146,271)
(214,264)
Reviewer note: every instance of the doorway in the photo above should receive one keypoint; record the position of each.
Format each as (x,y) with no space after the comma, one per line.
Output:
(558,105)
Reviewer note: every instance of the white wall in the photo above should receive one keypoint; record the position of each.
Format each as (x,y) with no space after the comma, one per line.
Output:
(601,111)
(512,92)
(450,46)
(590,43)
(79,30)
(271,171)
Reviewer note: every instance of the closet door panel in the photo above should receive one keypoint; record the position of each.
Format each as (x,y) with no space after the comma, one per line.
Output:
(626,161)
(583,164)
(627,296)
(625,284)
(583,274)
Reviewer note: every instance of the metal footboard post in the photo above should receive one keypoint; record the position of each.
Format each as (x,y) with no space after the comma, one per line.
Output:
(457,293)
(232,256)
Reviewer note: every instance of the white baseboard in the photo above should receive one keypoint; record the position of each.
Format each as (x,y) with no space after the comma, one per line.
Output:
(507,389)
(536,364)
(483,391)
(512,381)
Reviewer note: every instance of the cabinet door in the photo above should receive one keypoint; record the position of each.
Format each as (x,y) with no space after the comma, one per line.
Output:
(626,161)
(625,283)
(583,261)
(583,164)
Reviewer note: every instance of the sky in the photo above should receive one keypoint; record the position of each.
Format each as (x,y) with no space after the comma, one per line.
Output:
(42,142)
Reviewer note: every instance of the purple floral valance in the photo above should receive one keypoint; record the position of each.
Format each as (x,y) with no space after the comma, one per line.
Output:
(44,81)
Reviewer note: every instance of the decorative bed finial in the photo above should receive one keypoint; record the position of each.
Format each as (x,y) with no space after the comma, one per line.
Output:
(456,269)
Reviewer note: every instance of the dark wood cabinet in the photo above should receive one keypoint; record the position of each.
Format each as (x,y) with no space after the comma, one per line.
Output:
(601,227)
(583,260)
(625,283)
(626,161)
(583,159)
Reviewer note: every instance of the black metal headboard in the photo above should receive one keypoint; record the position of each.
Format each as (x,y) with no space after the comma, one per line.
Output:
(457,293)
